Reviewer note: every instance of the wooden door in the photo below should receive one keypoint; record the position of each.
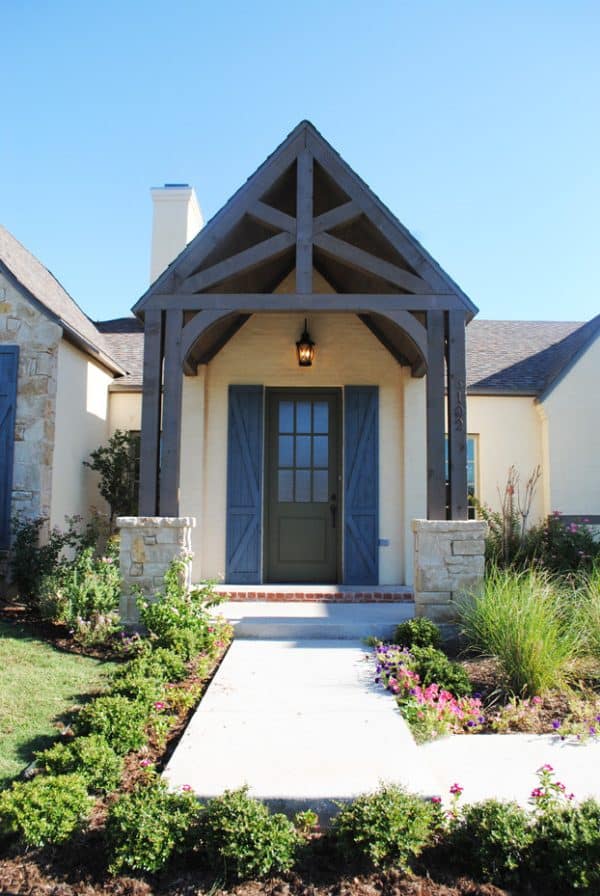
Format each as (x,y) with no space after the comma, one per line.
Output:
(303,500)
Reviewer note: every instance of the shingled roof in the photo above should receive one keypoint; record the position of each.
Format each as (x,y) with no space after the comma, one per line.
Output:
(505,357)
(18,263)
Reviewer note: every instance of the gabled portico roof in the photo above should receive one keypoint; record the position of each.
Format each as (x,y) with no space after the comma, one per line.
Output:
(305,210)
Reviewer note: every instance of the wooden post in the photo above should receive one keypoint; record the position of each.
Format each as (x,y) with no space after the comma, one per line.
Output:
(151,405)
(304,223)
(436,426)
(457,415)
(171,441)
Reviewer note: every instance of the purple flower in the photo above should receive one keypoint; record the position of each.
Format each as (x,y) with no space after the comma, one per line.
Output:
(556,724)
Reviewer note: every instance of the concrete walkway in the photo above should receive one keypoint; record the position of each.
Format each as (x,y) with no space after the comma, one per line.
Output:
(293,712)
(300,722)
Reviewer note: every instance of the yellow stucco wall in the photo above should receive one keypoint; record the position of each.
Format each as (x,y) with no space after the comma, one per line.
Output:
(125,412)
(571,414)
(263,352)
(508,431)
(81,425)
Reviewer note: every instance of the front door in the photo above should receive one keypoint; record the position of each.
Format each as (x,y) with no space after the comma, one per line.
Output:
(302,513)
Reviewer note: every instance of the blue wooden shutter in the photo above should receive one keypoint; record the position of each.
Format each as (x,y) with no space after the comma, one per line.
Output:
(244,484)
(9,369)
(361,479)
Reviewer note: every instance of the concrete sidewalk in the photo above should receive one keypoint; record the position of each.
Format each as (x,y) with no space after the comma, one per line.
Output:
(302,724)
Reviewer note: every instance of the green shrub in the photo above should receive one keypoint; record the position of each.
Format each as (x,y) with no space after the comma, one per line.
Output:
(32,561)
(148,827)
(241,836)
(120,721)
(46,810)
(524,619)
(116,465)
(565,852)
(158,663)
(91,757)
(433,667)
(388,827)
(490,841)
(419,632)
(178,619)
(83,592)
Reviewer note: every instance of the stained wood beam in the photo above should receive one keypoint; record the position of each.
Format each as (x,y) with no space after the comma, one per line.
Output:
(436,424)
(336,301)
(349,211)
(457,414)
(192,332)
(304,223)
(416,333)
(151,413)
(360,260)
(171,440)
(273,217)
(233,212)
(240,263)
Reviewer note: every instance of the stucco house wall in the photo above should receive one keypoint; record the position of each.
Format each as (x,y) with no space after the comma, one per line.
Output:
(571,417)
(38,338)
(82,403)
(508,431)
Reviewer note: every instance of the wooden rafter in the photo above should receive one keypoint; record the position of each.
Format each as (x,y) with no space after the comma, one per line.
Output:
(353,302)
(364,261)
(342,214)
(304,223)
(240,263)
(266,214)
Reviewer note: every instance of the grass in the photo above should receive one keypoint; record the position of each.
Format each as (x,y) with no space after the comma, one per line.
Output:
(527,620)
(39,684)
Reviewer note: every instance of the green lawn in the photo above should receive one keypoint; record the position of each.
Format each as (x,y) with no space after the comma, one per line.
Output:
(39,685)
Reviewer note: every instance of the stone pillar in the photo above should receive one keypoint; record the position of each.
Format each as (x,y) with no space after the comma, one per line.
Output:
(148,546)
(449,558)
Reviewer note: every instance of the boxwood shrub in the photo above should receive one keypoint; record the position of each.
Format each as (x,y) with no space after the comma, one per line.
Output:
(91,757)
(45,811)
(239,836)
(388,827)
(119,720)
(145,829)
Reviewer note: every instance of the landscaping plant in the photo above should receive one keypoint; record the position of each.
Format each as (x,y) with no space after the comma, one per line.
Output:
(238,835)
(430,711)
(46,811)
(387,828)
(122,722)
(418,632)
(178,619)
(148,827)
(433,667)
(91,757)
(525,620)
(490,841)
(115,464)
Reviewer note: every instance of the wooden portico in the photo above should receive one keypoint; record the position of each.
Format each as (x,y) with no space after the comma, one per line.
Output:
(304,213)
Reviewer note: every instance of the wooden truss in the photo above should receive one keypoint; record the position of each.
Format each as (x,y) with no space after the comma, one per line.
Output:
(304,210)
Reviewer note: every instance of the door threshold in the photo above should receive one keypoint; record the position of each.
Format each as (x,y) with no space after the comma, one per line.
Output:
(327,593)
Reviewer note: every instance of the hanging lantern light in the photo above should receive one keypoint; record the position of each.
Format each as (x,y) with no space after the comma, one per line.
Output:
(305,348)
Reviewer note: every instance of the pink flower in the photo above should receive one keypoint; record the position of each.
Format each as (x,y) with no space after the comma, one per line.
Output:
(186,787)
(536,701)
(456,789)
(537,793)
(436,799)
(159,706)
(546,768)
(145,763)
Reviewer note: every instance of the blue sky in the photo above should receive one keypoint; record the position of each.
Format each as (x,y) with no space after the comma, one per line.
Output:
(478,123)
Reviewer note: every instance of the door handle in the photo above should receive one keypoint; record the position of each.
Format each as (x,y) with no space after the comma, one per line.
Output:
(333,510)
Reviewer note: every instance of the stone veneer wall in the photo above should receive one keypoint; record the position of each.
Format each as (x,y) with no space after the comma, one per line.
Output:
(449,558)
(38,338)
(148,546)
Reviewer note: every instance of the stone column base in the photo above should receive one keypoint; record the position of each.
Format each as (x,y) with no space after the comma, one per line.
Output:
(149,544)
(449,559)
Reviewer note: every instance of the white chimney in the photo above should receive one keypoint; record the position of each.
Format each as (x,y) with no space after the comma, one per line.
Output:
(177,218)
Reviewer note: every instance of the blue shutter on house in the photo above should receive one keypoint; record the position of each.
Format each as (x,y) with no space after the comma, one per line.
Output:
(361,480)
(9,370)
(244,484)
